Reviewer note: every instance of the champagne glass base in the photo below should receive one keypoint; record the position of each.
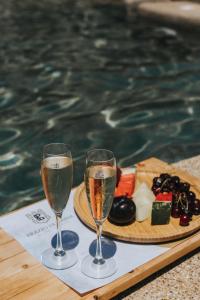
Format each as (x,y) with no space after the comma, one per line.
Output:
(58,262)
(90,269)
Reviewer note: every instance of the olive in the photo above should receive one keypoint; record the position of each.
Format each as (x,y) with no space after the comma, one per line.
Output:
(122,211)
(184,186)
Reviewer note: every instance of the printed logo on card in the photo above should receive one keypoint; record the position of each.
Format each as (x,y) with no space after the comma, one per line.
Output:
(38,216)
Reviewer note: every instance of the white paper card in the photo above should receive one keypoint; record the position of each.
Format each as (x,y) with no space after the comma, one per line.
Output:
(34,227)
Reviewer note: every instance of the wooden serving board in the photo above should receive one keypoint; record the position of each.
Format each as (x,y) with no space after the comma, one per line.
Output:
(144,232)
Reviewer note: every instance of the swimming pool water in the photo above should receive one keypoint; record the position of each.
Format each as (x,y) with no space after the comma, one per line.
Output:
(91,75)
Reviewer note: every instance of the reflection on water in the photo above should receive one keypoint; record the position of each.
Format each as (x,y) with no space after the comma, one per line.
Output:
(89,75)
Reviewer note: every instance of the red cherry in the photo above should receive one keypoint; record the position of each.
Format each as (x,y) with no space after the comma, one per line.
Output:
(184,220)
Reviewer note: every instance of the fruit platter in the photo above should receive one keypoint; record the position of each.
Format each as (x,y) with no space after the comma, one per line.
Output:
(155,203)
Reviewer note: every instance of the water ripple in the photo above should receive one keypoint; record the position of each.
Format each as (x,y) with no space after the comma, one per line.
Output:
(8,135)
(10,160)
(108,113)
(131,157)
(133,88)
(6,96)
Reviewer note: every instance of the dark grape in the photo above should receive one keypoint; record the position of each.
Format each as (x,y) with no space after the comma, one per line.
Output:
(166,189)
(155,190)
(164,176)
(191,196)
(157,181)
(184,186)
(190,206)
(172,186)
(189,213)
(196,207)
(175,180)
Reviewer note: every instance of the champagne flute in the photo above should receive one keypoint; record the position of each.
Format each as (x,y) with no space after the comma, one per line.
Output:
(57,176)
(100,181)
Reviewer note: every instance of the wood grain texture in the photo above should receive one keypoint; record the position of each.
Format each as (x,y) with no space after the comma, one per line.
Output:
(23,277)
(143,232)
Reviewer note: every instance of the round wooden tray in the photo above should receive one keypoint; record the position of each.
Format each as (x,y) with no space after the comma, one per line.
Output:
(139,232)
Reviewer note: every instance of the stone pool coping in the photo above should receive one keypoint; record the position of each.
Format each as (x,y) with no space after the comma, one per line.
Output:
(179,12)
(181,279)
(182,13)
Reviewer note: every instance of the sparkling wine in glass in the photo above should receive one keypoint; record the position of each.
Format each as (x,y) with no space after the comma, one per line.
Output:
(57,176)
(100,181)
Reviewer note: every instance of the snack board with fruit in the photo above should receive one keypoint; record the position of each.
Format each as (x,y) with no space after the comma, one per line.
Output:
(161,194)
(170,196)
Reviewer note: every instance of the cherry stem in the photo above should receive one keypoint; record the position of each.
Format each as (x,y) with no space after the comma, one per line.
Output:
(164,182)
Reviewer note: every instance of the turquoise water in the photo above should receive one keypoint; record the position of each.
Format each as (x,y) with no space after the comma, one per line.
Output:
(91,75)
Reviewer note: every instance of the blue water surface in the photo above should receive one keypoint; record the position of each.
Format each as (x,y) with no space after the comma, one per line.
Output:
(91,75)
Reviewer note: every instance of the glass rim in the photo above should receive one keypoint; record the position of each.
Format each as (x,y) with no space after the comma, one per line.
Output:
(100,149)
(67,146)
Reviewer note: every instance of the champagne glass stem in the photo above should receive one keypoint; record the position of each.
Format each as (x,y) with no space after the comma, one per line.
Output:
(59,247)
(98,256)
